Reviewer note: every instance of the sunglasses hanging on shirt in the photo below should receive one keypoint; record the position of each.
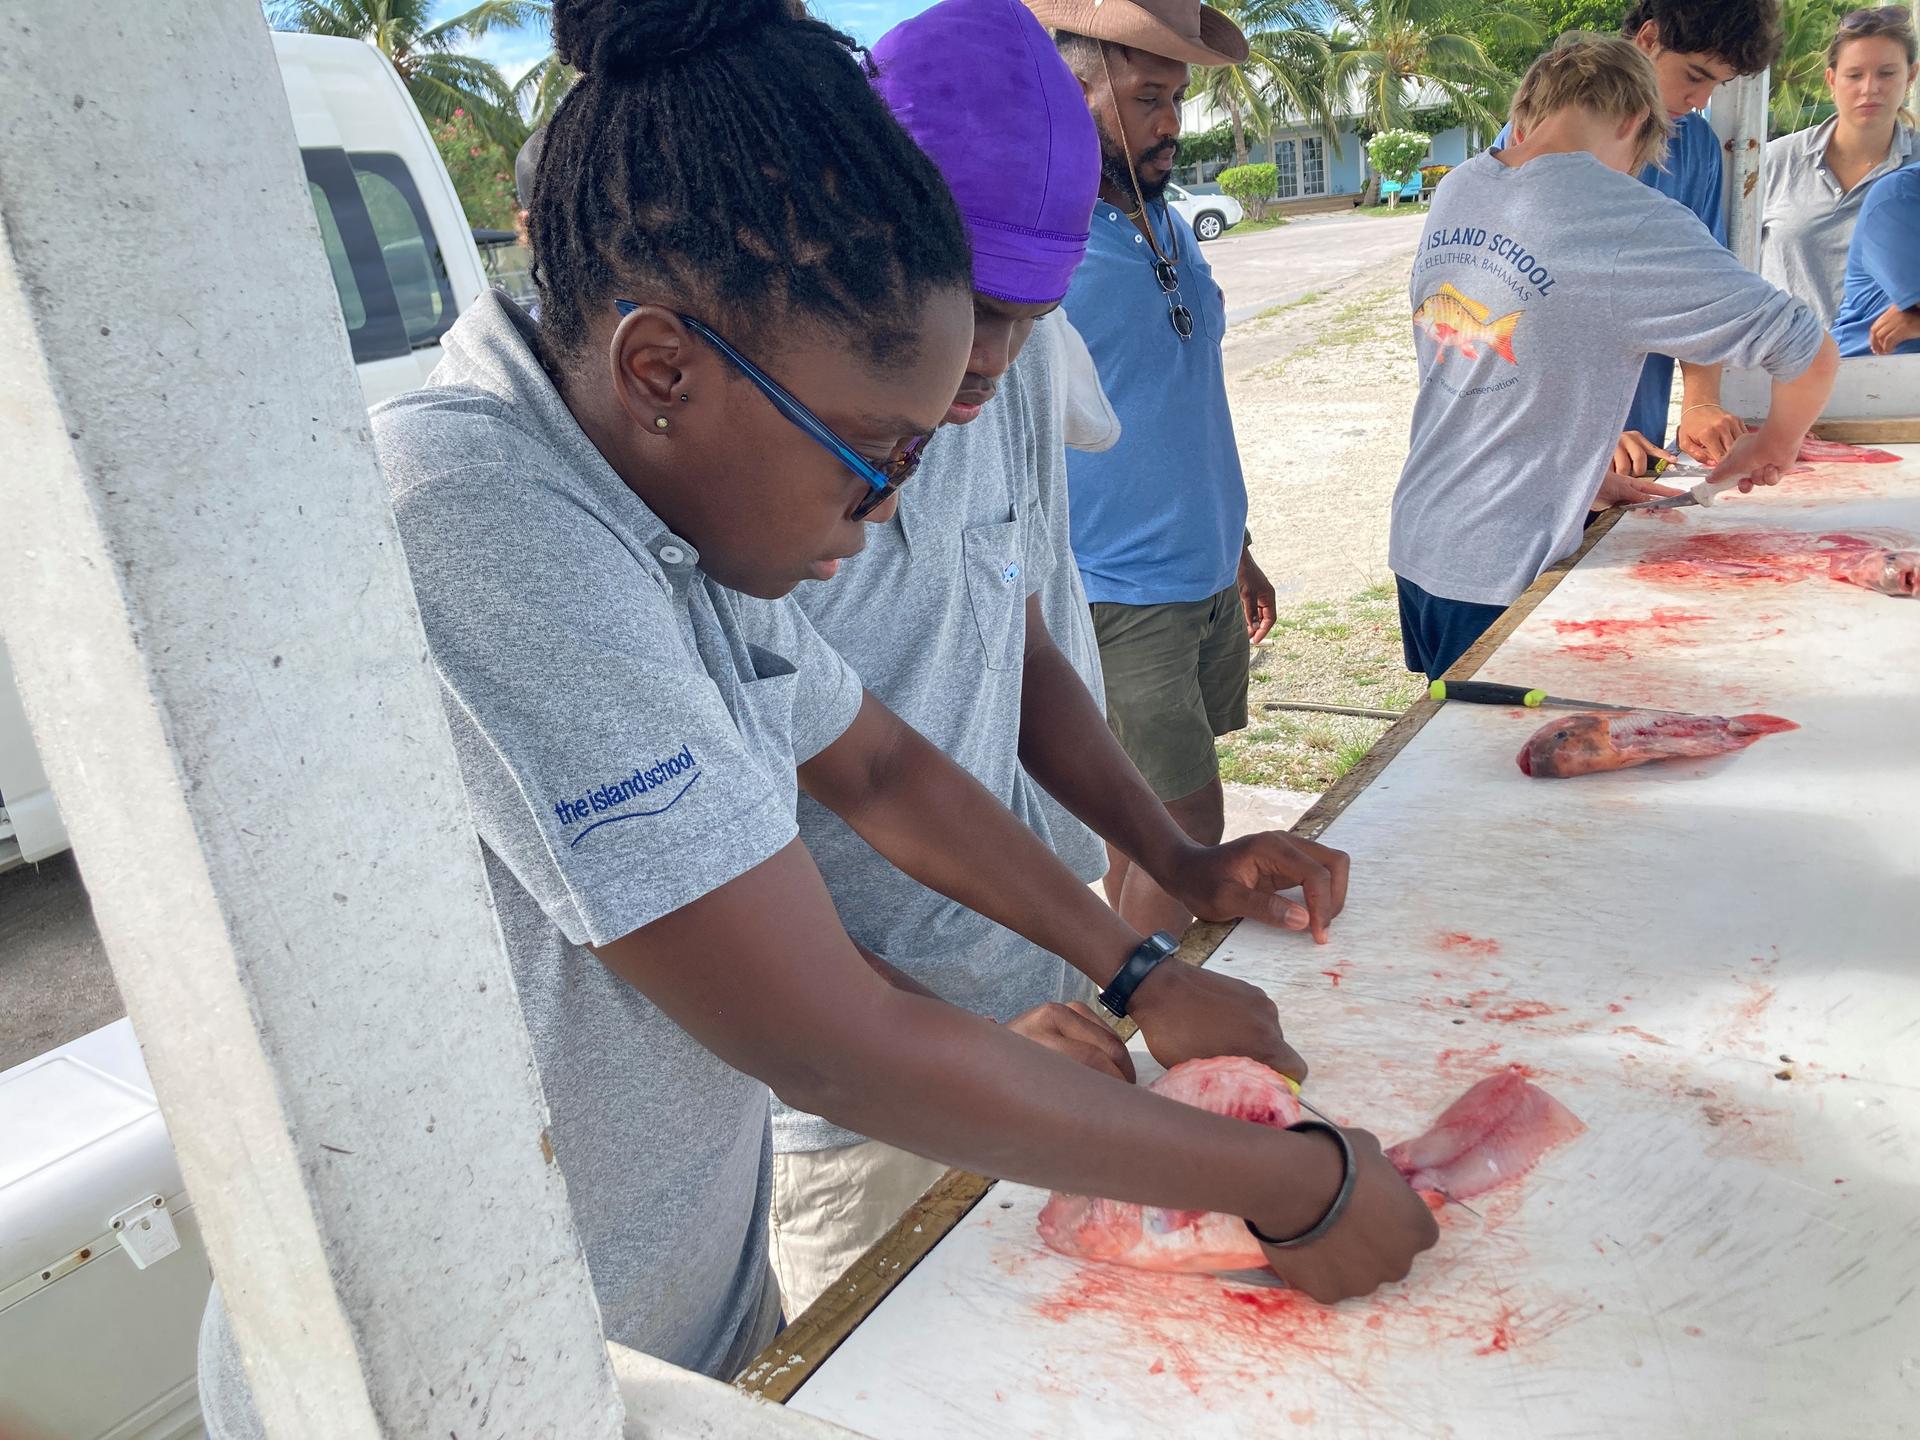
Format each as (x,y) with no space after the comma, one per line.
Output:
(1177,313)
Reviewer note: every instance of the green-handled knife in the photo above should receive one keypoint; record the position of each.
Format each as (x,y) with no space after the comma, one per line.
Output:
(1485,692)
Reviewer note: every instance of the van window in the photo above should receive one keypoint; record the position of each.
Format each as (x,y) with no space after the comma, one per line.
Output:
(367,302)
(415,266)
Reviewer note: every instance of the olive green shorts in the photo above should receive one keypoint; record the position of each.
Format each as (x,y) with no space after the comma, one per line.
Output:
(1176,678)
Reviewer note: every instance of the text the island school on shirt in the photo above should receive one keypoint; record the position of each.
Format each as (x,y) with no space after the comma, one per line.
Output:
(659,786)
(1523,271)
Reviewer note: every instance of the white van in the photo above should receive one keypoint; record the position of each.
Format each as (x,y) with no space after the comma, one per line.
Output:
(103,1275)
(404,264)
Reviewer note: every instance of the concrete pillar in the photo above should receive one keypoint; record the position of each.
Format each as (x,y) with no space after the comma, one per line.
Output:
(214,637)
(1739,118)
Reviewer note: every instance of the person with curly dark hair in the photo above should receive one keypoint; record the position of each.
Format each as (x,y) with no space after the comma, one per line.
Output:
(1696,46)
(756,306)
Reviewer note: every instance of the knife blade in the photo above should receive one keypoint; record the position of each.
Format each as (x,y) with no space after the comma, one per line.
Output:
(1705,493)
(1487,692)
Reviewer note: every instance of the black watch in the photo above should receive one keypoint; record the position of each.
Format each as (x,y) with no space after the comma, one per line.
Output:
(1152,950)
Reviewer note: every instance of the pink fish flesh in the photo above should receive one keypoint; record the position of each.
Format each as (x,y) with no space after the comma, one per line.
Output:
(1584,744)
(1494,1133)
(1815,451)
(1149,1238)
(1891,572)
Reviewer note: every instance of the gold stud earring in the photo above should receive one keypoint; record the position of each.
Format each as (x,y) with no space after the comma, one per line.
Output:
(660,422)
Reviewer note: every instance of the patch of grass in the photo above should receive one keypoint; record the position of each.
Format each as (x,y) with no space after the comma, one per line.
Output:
(1255,227)
(1376,317)
(1307,299)
(1344,652)
(1382,210)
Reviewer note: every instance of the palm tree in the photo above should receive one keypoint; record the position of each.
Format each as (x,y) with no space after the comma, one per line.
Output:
(542,88)
(1286,69)
(427,55)
(1798,81)
(1392,57)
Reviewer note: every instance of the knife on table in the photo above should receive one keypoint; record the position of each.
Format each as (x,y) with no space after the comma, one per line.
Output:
(1486,692)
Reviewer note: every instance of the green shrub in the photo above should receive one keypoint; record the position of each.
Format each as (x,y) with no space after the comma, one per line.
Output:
(1432,175)
(1396,154)
(1252,185)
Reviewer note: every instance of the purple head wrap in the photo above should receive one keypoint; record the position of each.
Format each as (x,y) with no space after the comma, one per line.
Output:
(980,87)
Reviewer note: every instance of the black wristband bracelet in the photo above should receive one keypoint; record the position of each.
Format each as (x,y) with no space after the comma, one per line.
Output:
(1341,1198)
(1146,956)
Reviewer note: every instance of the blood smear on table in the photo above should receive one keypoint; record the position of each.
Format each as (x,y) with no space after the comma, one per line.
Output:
(1756,557)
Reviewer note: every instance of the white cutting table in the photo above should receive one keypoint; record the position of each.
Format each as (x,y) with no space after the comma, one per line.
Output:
(1715,964)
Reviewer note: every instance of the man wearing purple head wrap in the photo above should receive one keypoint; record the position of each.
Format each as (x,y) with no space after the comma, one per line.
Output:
(966,617)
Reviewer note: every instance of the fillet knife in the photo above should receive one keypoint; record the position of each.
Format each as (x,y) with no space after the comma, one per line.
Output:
(1705,492)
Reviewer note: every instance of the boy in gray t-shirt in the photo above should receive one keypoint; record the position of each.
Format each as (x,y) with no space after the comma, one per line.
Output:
(1545,276)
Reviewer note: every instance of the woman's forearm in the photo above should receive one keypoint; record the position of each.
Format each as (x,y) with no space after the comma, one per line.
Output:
(780,993)
(938,824)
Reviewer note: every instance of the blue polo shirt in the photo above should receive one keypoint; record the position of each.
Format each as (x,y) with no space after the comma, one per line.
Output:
(1883,262)
(1691,175)
(1160,516)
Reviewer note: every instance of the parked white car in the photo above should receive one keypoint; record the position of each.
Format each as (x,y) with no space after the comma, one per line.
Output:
(404,264)
(1210,215)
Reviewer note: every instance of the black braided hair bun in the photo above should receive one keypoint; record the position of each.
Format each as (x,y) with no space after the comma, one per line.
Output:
(615,39)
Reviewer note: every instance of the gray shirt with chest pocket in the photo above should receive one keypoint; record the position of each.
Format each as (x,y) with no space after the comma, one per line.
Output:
(932,615)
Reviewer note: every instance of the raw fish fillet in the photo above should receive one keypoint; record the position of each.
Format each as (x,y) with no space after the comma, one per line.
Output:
(1149,1238)
(1490,1135)
(1493,1134)
(1583,744)
(1891,572)
(1815,451)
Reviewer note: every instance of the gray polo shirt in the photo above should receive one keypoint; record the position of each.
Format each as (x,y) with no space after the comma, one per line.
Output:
(1806,220)
(932,614)
(1538,292)
(627,738)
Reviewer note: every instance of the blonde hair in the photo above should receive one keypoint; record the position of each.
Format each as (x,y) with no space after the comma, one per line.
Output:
(1602,73)
(1888,22)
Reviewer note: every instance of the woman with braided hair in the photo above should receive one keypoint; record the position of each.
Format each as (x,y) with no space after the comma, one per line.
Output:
(755,307)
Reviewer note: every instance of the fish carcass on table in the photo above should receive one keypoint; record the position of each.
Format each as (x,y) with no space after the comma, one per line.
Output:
(1891,572)
(1494,1133)
(1585,743)
(1815,451)
(1150,1238)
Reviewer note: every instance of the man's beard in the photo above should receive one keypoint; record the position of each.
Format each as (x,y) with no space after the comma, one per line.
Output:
(1113,167)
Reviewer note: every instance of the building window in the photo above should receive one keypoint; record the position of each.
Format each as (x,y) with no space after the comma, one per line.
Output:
(1313,166)
(1286,170)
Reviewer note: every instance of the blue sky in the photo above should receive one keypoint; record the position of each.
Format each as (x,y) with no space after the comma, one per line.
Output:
(514,51)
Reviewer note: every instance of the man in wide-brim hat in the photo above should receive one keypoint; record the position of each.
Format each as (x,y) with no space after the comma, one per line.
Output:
(1159,521)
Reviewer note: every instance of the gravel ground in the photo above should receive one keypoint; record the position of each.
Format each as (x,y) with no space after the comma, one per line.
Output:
(1322,393)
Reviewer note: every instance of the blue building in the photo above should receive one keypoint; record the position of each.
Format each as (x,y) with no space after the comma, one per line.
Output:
(1311,166)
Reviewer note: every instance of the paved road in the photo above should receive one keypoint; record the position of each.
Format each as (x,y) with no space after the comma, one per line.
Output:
(1313,253)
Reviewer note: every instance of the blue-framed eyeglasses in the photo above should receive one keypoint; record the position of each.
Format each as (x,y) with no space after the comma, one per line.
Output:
(881,480)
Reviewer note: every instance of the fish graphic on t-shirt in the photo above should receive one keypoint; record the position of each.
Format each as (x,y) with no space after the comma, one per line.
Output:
(1460,322)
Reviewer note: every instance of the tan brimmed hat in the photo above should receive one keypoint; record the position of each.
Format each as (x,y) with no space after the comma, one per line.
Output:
(1177,29)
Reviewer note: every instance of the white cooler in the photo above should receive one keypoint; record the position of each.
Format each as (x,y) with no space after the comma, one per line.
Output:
(102,1273)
